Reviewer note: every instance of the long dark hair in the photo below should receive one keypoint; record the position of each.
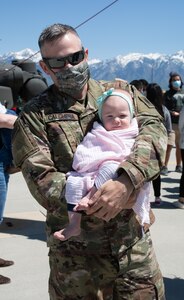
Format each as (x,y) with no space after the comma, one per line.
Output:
(155,96)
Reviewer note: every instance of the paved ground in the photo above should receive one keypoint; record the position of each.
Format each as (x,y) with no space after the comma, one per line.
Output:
(25,241)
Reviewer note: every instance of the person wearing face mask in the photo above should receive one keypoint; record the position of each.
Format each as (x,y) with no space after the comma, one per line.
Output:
(113,257)
(174,100)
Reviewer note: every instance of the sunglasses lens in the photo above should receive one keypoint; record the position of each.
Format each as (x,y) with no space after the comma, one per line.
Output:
(57,63)
(76,58)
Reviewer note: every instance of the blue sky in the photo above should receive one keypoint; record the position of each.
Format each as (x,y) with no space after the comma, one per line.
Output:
(142,26)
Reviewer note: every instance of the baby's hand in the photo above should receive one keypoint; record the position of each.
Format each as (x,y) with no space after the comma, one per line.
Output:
(82,205)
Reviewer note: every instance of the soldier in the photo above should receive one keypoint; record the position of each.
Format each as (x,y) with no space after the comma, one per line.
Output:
(112,258)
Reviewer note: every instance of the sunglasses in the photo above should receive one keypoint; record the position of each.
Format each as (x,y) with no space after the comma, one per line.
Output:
(60,62)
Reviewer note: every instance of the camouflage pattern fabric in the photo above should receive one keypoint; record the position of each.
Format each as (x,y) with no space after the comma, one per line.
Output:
(132,275)
(45,138)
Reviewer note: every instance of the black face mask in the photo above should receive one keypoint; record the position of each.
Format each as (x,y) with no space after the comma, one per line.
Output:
(72,80)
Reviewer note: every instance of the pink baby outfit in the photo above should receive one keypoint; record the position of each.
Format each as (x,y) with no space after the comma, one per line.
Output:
(96,160)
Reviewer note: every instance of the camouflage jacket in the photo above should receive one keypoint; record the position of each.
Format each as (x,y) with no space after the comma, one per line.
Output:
(45,138)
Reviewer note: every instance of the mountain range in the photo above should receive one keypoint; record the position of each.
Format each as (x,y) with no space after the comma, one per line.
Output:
(154,67)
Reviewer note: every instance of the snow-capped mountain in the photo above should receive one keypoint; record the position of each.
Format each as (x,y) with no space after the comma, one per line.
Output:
(154,67)
(23,54)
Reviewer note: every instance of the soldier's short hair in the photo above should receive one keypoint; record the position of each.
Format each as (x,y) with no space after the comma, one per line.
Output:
(53,32)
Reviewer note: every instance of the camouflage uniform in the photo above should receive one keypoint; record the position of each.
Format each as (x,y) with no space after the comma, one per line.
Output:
(113,260)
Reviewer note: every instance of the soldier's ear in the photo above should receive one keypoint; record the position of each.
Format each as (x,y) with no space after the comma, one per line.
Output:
(86,53)
(44,67)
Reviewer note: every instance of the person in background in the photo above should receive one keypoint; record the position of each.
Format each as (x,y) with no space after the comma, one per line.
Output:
(180,202)
(111,138)
(138,85)
(5,263)
(111,258)
(155,96)
(8,117)
(174,100)
(6,159)
(144,84)
(7,121)
(5,163)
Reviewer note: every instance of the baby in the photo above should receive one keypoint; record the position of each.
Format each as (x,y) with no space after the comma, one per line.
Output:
(98,156)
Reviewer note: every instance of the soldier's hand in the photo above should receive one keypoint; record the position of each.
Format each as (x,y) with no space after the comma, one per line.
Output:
(111,198)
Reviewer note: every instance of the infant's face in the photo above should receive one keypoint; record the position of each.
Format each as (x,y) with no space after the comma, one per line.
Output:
(115,113)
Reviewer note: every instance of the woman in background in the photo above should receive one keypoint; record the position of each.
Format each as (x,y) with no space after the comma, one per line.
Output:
(155,96)
(174,101)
